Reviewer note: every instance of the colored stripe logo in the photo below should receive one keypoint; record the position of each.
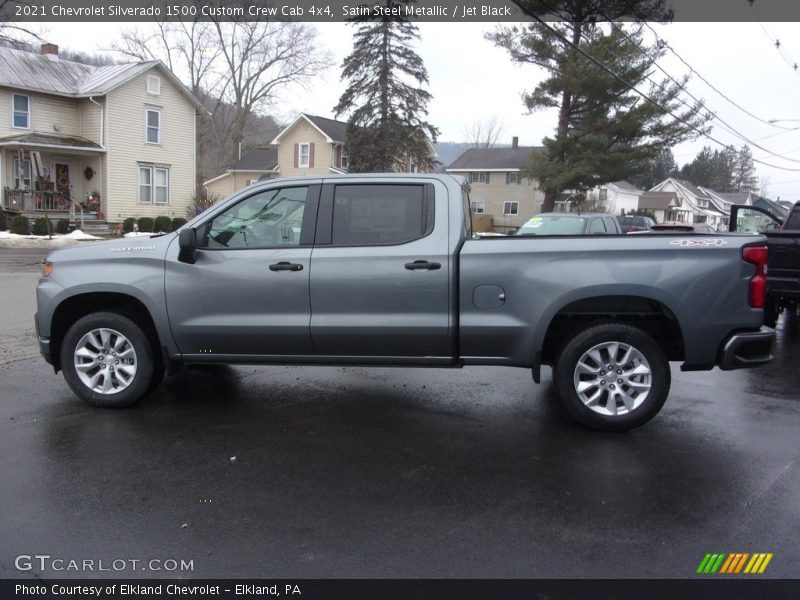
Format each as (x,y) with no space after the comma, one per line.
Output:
(734,563)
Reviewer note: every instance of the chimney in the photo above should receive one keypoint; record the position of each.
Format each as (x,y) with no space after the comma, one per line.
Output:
(48,48)
(515,142)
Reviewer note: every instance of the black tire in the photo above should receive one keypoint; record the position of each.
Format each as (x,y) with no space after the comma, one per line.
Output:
(609,412)
(138,386)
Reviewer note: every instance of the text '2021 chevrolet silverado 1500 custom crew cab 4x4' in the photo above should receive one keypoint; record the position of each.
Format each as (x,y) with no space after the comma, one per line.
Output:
(384,270)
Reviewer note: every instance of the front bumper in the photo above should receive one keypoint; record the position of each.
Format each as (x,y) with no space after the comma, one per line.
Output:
(44,343)
(747,349)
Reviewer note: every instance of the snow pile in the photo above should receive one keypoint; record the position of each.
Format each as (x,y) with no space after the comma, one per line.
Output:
(14,240)
(138,234)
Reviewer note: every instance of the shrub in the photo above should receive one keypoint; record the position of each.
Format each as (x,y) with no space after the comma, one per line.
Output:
(3,223)
(42,226)
(162,223)
(20,225)
(178,222)
(62,226)
(145,223)
(127,225)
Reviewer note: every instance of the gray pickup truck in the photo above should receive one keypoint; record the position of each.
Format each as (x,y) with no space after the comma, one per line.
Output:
(385,270)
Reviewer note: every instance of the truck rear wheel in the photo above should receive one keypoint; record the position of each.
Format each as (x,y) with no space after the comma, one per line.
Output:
(612,377)
(107,360)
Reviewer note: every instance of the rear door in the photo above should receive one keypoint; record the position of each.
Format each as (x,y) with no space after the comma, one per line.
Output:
(247,294)
(380,271)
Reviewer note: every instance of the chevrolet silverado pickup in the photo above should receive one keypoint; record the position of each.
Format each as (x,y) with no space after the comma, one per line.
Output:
(783,262)
(385,270)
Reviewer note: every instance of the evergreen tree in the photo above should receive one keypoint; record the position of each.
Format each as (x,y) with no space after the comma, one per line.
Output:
(744,171)
(605,131)
(384,99)
(701,170)
(723,167)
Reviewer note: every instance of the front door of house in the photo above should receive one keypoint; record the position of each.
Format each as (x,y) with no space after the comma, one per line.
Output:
(62,177)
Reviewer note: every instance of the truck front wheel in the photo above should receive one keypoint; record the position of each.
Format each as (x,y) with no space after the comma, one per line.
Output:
(612,377)
(107,360)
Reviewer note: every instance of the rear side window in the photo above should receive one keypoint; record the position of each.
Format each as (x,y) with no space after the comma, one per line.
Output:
(368,215)
(597,226)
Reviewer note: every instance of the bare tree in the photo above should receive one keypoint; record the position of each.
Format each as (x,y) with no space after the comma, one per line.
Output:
(13,33)
(260,60)
(484,133)
(237,69)
(763,187)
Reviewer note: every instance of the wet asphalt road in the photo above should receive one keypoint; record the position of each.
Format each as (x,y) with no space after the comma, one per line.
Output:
(390,472)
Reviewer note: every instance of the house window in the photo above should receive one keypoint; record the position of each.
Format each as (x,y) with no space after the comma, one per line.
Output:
(153,184)
(510,208)
(603,194)
(153,85)
(303,155)
(478,207)
(21,111)
(479,177)
(26,174)
(512,178)
(343,162)
(152,125)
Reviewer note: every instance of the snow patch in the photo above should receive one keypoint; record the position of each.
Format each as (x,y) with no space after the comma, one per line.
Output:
(14,240)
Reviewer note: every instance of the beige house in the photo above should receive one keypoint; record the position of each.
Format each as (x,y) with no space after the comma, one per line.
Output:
(312,145)
(261,163)
(498,188)
(123,134)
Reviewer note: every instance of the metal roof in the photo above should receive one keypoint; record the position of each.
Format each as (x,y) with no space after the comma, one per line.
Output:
(52,75)
(44,139)
(493,158)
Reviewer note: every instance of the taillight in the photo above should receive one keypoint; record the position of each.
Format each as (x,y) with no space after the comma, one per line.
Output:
(757,255)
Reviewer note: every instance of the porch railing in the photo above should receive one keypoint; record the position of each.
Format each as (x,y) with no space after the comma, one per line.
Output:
(27,201)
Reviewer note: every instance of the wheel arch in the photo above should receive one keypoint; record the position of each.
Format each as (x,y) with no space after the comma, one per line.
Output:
(77,306)
(652,313)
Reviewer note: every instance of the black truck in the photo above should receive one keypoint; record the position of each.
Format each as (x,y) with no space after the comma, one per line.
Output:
(783,262)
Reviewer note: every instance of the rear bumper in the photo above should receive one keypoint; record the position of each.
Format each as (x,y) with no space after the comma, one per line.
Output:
(747,349)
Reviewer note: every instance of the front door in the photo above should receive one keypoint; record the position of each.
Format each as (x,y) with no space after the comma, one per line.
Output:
(381,272)
(247,294)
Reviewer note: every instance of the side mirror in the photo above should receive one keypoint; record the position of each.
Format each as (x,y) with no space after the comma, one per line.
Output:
(187,242)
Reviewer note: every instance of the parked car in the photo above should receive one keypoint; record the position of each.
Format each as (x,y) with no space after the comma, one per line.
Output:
(630,223)
(570,224)
(783,262)
(385,271)
(679,227)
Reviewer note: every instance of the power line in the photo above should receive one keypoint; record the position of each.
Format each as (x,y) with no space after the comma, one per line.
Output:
(708,83)
(666,110)
(725,125)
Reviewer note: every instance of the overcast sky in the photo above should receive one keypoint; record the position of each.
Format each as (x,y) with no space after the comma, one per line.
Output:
(472,79)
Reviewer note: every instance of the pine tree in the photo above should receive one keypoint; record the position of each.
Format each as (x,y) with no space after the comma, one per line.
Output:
(384,99)
(605,131)
(744,172)
(722,172)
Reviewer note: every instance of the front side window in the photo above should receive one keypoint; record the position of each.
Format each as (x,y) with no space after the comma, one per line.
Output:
(268,219)
(304,155)
(365,215)
(153,184)
(597,226)
(510,208)
(152,126)
(478,207)
(22,111)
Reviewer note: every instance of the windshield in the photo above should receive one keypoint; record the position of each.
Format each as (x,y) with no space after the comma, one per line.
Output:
(553,225)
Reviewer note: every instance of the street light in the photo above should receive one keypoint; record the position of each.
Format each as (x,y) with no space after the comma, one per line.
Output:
(783,120)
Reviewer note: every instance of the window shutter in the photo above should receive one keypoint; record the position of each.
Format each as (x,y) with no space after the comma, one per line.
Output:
(487,176)
(296,155)
(508,178)
(311,155)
